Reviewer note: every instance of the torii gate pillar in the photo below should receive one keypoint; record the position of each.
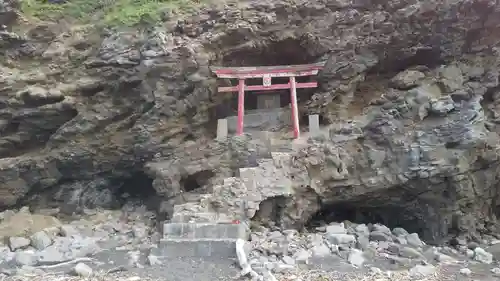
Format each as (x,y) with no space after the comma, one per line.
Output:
(266,73)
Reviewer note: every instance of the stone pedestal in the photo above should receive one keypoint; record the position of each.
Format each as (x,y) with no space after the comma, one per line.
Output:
(314,124)
(222,129)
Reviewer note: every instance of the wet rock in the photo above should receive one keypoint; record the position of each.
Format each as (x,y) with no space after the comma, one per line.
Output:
(83,270)
(18,243)
(481,255)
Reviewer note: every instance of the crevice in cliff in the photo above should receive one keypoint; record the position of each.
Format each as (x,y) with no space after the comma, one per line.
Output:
(428,57)
(197,180)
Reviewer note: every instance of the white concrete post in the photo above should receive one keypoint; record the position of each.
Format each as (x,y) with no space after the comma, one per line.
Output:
(222,129)
(314,124)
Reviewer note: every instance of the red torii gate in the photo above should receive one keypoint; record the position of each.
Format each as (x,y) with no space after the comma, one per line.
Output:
(266,73)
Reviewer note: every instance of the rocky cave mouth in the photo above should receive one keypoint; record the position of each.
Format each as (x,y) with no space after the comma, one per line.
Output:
(138,187)
(194,182)
(288,51)
(355,212)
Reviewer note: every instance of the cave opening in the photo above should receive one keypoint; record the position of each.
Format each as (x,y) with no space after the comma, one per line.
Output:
(288,51)
(136,187)
(356,212)
(196,181)
(428,57)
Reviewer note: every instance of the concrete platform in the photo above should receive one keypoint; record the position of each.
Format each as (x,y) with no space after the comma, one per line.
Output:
(205,231)
(201,248)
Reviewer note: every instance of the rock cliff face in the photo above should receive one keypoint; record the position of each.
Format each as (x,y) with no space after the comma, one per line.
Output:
(409,93)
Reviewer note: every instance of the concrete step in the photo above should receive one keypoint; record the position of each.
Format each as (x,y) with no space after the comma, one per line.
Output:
(205,231)
(212,248)
(201,217)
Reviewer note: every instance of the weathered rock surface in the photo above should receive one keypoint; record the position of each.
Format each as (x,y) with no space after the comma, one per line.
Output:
(94,114)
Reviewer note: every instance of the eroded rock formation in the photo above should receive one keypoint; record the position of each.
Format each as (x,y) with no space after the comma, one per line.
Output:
(409,92)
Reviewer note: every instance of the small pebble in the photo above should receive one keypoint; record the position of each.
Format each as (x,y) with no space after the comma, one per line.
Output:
(465,271)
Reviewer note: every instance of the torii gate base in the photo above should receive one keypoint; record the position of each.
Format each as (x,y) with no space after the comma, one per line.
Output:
(266,73)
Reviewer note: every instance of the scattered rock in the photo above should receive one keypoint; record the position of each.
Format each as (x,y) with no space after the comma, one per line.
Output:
(465,271)
(153,260)
(40,240)
(341,239)
(27,257)
(421,271)
(379,236)
(356,257)
(407,79)
(68,230)
(16,243)
(336,229)
(481,255)
(83,270)
(411,253)
(414,240)
(321,251)
(400,232)
(445,258)
(495,271)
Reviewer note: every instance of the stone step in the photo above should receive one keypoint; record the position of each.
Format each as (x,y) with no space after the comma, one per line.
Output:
(210,248)
(201,217)
(205,231)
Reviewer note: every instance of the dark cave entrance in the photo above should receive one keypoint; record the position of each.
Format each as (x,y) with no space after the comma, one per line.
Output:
(355,212)
(196,181)
(137,187)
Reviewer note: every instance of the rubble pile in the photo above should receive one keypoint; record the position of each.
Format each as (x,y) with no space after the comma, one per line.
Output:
(34,242)
(363,246)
